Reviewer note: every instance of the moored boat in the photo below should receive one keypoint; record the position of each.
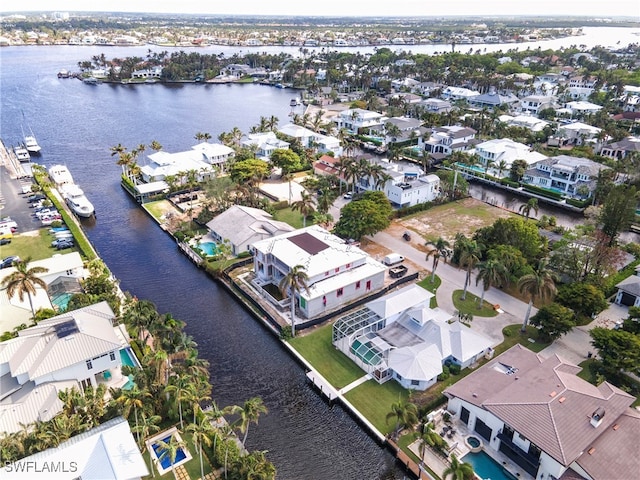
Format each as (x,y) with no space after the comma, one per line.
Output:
(73,195)
(22,153)
(30,143)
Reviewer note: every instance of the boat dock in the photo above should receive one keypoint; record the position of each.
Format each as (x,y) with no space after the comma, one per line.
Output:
(319,382)
(12,164)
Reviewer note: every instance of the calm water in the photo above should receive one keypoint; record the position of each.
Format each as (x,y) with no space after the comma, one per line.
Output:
(76,124)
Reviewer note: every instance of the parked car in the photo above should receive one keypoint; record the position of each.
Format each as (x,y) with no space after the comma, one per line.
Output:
(8,261)
(59,241)
(36,198)
(348,196)
(5,241)
(64,244)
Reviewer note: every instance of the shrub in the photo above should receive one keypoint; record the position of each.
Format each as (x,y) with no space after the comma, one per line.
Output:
(543,191)
(445,373)
(454,368)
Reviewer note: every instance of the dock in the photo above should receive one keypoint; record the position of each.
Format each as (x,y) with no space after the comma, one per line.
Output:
(325,388)
(12,164)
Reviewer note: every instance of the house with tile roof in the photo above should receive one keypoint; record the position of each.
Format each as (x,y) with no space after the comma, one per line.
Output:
(546,419)
(448,139)
(619,150)
(242,226)
(78,349)
(398,336)
(106,452)
(338,272)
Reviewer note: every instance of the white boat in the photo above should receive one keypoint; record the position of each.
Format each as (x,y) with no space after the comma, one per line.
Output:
(72,193)
(22,153)
(31,143)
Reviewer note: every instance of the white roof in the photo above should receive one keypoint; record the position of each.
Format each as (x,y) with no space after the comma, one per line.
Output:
(106,452)
(152,187)
(580,127)
(398,301)
(240,224)
(416,362)
(348,277)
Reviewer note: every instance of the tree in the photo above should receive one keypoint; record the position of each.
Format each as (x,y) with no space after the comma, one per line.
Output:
(538,285)
(469,257)
(364,216)
(525,208)
(286,159)
(179,387)
(516,232)
(292,284)
(490,272)
(518,168)
(405,415)
(619,350)
(249,413)
(24,280)
(428,437)
(553,321)
(201,432)
(170,450)
(618,211)
(250,170)
(305,205)
(584,299)
(457,470)
(133,399)
(440,250)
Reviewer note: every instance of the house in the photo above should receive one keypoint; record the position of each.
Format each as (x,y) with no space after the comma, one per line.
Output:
(77,349)
(326,165)
(64,272)
(436,105)
(153,72)
(458,93)
(581,87)
(407,128)
(106,452)
(621,149)
(403,188)
(203,158)
(565,174)
(448,139)
(546,419)
(576,133)
(356,119)
(265,143)
(425,88)
(525,121)
(579,108)
(629,290)
(534,104)
(505,150)
(338,272)
(310,139)
(492,99)
(242,226)
(398,336)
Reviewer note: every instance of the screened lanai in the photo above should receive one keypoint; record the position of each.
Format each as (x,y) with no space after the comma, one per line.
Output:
(356,321)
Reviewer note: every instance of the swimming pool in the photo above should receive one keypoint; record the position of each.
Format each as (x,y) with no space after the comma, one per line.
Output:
(486,467)
(156,450)
(210,249)
(166,461)
(61,301)
(126,358)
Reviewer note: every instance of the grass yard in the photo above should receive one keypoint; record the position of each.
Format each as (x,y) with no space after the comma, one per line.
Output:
(470,305)
(513,335)
(374,402)
(192,466)
(35,245)
(431,287)
(332,364)
(160,208)
(292,217)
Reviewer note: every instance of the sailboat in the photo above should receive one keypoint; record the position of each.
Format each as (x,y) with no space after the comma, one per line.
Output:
(30,142)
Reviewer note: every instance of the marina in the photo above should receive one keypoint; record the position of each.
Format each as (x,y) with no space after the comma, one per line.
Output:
(72,194)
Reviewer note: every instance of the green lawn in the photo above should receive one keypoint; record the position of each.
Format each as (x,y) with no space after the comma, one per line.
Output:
(332,364)
(428,285)
(513,335)
(374,402)
(470,305)
(292,217)
(36,247)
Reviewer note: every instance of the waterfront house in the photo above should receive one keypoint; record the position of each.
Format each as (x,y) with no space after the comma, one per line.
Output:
(358,120)
(153,72)
(493,99)
(405,186)
(310,139)
(534,104)
(504,149)
(338,272)
(78,349)
(242,226)
(106,452)
(546,419)
(265,143)
(565,174)
(619,150)
(398,336)
(629,290)
(576,133)
(448,139)
(204,158)
(525,121)
(458,93)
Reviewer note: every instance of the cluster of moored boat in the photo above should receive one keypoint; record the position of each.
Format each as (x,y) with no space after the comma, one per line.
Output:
(28,147)
(72,193)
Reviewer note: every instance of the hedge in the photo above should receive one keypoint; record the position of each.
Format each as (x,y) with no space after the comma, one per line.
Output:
(579,203)
(543,191)
(509,183)
(420,207)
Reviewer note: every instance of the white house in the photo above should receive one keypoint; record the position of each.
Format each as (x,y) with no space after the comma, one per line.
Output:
(203,158)
(78,349)
(338,273)
(534,104)
(547,420)
(458,93)
(505,149)
(525,121)
(106,452)
(448,139)
(265,143)
(399,336)
(436,105)
(576,133)
(310,139)
(354,119)
(242,226)
(579,108)
(565,174)
(153,72)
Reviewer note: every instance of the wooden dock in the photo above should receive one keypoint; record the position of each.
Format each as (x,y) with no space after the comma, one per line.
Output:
(325,388)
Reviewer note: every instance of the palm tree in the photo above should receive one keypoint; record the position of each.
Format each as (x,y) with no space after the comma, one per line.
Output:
(469,256)
(291,284)
(249,413)
(525,208)
(24,280)
(405,415)
(305,205)
(440,250)
(490,272)
(458,471)
(170,450)
(540,284)
(132,399)
(148,425)
(428,437)
(180,388)
(501,166)
(201,432)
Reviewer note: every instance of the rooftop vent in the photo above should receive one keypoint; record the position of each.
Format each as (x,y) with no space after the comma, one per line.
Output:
(591,450)
(553,394)
(562,399)
(597,416)
(616,426)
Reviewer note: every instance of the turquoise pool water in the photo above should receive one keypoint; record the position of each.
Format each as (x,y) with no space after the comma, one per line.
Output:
(126,358)
(209,248)
(486,467)
(61,301)
(166,461)
(130,384)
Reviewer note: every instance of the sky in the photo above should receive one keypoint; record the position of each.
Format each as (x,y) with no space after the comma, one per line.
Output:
(358,8)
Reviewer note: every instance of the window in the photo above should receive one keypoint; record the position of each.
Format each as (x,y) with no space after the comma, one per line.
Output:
(339,292)
(337,270)
(89,364)
(112,356)
(368,284)
(415,382)
(357,284)
(326,274)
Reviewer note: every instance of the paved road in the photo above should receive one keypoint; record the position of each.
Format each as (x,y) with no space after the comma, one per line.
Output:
(15,204)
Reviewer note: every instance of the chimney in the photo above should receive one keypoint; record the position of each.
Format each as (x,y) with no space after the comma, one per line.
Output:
(597,416)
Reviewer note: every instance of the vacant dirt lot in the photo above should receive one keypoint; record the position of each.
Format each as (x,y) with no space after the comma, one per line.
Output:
(465,216)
